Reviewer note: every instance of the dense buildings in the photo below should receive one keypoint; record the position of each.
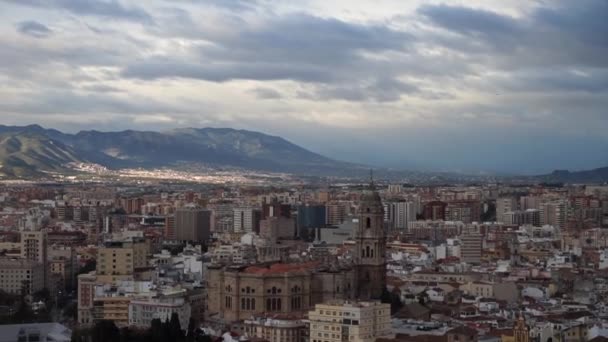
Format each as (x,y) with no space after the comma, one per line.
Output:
(452,270)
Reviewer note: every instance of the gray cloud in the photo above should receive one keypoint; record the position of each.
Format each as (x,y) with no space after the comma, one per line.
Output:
(104,8)
(297,47)
(266,93)
(34,29)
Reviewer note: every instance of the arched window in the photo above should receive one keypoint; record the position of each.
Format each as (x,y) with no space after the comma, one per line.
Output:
(243,303)
(278,304)
(368,222)
(367,251)
(253,304)
(268,304)
(372,253)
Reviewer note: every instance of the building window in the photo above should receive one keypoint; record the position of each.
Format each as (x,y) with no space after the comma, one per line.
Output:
(368,222)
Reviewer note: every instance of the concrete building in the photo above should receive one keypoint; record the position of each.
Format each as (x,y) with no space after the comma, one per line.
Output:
(246,220)
(119,259)
(274,228)
(21,274)
(336,213)
(401,214)
(505,205)
(192,224)
(34,248)
(470,250)
(553,213)
(350,321)
(143,311)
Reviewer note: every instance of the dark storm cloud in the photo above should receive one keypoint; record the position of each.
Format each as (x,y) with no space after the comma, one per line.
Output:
(470,21)
(103,8)
(569,33)
(34,29)
(297,47)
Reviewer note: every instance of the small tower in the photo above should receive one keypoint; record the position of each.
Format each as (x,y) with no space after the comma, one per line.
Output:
(370,246)
(521,332)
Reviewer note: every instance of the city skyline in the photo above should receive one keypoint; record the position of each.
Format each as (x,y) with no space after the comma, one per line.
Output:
(518,87)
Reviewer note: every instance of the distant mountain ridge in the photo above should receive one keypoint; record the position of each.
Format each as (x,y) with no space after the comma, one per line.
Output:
(30,150)
(599,175)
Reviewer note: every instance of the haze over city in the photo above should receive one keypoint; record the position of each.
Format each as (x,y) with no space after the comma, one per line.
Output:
(497,86)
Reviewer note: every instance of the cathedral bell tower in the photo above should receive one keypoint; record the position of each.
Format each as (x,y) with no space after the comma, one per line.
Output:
(370,246)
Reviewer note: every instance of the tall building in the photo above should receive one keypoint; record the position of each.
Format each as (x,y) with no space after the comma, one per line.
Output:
(434,211)
(119,259)
(356,322)
(400,214)
(192,224)
(505,205)
(529,202)
(246,220)
(553,213)
(470,251)
(336,213)
(310,217)
(34,248)
(370,246)
(467,211)
(276,209)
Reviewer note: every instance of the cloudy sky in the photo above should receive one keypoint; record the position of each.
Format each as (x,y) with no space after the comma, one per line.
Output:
(511,86)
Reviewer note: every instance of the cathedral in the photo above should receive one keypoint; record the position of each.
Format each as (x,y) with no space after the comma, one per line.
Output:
(237,293)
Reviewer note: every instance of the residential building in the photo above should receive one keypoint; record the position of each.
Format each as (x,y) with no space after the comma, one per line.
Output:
(350,321)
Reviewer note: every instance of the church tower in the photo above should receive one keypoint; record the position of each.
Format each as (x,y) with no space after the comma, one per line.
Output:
(521,333)
(370,246)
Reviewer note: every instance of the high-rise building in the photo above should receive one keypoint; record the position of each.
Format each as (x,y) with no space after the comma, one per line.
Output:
(356,322)
(34,248)
(505,205)
(336,213)
(246,220)
(310,217)
(170,227)
(553,213)
(470,251)
(400,214)
(192,223)
(434,211)
(121,258)
(467,211)
(276,209)
(529,202)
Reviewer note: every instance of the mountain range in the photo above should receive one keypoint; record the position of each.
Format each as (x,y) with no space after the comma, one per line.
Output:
(33,151)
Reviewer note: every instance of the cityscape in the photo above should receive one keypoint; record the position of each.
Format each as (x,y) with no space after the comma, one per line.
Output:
(303,171)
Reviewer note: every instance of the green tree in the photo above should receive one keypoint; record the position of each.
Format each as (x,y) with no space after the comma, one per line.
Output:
(175,328)
(104,331)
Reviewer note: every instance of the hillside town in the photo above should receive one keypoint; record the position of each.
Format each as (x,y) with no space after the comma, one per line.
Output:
(352,262)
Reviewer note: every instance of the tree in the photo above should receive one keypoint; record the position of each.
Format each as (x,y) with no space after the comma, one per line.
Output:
(392,299)
(105,330)
(175,328)
(89,266)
